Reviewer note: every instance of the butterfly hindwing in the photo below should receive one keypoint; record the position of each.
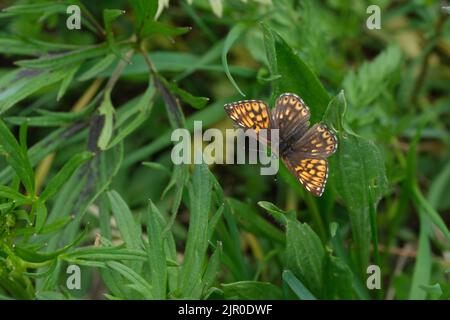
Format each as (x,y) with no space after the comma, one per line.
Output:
(312,173)
(317,142)
(290,115)
(249,114)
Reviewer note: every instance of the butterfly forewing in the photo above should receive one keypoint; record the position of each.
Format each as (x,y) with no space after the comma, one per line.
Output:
(291,116)
(249,114)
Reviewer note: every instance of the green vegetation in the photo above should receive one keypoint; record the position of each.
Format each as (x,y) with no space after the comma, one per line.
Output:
(86,176)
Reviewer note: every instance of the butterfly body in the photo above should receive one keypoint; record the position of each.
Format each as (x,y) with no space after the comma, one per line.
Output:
(303,150)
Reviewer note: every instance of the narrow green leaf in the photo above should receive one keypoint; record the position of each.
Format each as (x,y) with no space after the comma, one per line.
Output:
(138,283)
(109,15)
(107,112)
(12,194)
(21,83)
(36,8)
(156,166)
(422,268)
(145,12)
(156,27)
(156,254)
(254,222)
(17,158)
(197,242)
(52,119)
(31,255)
(67,81)
(130,230)
(193,101)
(41,215)
(434,289)
(143,109)
(213,268)
(62,60)
(64,174)
(98,67)
(296,286)
(234,34)
(276,212)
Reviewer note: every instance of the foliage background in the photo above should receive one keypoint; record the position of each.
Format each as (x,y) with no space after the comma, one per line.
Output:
(85,170)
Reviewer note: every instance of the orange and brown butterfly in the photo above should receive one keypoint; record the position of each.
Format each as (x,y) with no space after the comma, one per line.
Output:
(303,150)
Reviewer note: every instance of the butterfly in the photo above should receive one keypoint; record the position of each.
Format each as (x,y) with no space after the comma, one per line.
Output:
(303,150)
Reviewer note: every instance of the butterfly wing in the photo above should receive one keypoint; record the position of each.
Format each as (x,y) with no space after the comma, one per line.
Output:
(317,142)
(249,114)
(291,115)
(312,173)
(308,159)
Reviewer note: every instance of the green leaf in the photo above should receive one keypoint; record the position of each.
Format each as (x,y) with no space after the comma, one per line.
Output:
(138,283)
(143,110)
(358,175)
(106,111)
(22,9)
(193,101)
(296,286)
(423,204)
(213,268)
(305,255)
(109,15)
(251,290)
(254,222)
(234,34)
(156,254)
(12,194)
(422,268)
(178,180)
(434,289)
(337,279)
(130,230)
(98,67)
(67,81)
(105,254)
(62,60)
(296,76)
(64,174)
(197,241)
(24,46)
(145,12)
(21,83)
(52,119)
(276,212)
(156,166)
(156,27)
(31,255)
(372,78)
(17,158)
(41,215)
